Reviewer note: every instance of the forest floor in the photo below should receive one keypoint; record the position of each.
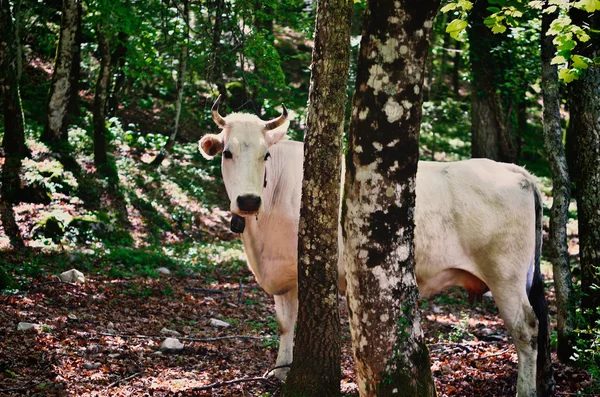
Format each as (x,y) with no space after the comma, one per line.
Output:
(101,338)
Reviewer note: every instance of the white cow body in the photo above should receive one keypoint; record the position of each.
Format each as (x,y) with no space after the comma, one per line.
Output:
(475,226)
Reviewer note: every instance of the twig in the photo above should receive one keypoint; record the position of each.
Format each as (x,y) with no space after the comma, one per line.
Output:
(124,379)
(203,290)
(16,388)
(185,338)
(492,355)
(240,292)
(263,378)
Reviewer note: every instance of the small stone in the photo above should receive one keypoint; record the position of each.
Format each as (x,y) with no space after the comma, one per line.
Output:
(92,365)
(110,325)
(186,330)
(218,323)
(72,276)
(27,326)
(189,272)
(163,270)
(169,332)
(72,317)
(171,345)
(114,355)
(157,353)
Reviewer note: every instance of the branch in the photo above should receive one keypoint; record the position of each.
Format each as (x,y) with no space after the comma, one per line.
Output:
(263,378)
(124,379)
(185,338)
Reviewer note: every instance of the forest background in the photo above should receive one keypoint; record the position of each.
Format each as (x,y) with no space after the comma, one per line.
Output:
(110,181)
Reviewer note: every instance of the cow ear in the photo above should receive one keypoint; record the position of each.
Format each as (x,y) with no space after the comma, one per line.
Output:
(210,145)
(275,135)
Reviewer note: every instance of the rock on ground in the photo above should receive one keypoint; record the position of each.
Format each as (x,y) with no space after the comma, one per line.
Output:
(171,345)
(72,276)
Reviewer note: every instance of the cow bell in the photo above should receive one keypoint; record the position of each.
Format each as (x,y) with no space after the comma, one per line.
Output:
(238,223)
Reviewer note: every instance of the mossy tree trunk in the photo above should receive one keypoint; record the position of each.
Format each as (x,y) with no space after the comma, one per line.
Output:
(561,195)
(584,107)
(55,130)
(387,339)
(13,141)
(316,367)
(99,107)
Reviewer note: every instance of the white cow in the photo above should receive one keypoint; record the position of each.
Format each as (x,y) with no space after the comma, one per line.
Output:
(477,225)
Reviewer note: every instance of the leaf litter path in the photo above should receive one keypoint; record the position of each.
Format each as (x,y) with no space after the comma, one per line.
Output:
(85,345)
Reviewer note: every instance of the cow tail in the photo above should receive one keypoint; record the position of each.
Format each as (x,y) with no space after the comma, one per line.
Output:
(545,384)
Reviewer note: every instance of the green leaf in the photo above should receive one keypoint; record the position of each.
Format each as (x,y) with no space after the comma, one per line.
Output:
(559,59)
(536,4)
(449,7)
(493,9)
(498,29)
(580,62)
(567,45)
(455,27)
(465,4)
(588,5)
(567,75)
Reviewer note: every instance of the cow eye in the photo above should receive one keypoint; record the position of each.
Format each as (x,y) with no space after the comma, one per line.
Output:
(267,156)
(227,154)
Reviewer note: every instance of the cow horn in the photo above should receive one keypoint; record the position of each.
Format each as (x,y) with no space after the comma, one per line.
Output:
(218,119)
(271,125)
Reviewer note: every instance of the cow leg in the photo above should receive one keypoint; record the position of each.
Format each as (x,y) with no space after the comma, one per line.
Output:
(286,307)
(521,321)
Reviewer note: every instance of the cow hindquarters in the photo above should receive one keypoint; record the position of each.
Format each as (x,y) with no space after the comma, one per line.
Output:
(286,308)
(521,321)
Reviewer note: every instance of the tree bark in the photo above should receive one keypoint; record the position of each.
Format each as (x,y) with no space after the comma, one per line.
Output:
(117,59)
(99,109)
(55,130)
(561,196)
(491,126)
(391,355)
(316,367)
(584,106)
(14,133)
(73,107)
(183,56)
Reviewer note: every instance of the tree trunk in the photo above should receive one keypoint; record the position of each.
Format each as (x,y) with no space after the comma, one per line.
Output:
(316,367)
(14,133)
(491,126)
(117,59)
(216,71)
(456,69)
(183,56)
(561,196)
(73,108)
(55,130)
(99,112)
(584,106)
(391,355)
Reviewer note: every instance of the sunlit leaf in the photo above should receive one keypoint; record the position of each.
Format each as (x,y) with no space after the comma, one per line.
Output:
(588,5)
(449,7)
(580,62)
(557,60)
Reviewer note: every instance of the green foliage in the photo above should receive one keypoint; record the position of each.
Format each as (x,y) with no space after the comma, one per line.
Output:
(446,130)
(587,347)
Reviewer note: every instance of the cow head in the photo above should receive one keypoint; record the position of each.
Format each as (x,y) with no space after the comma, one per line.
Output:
(244,141)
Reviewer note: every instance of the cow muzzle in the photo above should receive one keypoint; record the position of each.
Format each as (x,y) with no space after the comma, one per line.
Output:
(249,204)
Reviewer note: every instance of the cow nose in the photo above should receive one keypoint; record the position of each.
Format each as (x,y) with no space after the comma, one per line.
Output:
(248,203)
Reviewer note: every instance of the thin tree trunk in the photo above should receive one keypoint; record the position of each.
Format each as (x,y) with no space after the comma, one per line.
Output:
(14,133)
(73,108)
(117,59)
(316,367)
(99,112)
(60,90)
(456,70)
(216,72)
(391,355)
(584,101)
(183,56)
(561,196)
